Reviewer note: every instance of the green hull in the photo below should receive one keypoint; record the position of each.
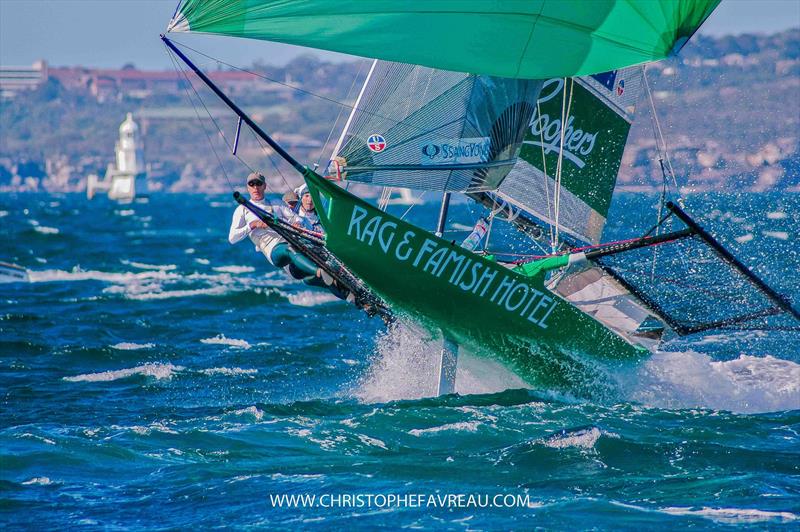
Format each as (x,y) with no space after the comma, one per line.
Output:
(485,307)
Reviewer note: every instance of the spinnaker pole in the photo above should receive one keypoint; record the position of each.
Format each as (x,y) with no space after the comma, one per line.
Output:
(235,108)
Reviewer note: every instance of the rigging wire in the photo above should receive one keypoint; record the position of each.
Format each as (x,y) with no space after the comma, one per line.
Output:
(266,151)
(544,175)
(293,87)
(661,143)
(222,134)
(565,109)
(414,203)
(199,119)
(663,154)
(386,193)
(339,115)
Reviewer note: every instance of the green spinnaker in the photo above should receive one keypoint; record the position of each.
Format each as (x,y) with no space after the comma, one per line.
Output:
(511,38)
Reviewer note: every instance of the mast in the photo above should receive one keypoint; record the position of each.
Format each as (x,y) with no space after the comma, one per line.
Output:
(353,110)
(443,214)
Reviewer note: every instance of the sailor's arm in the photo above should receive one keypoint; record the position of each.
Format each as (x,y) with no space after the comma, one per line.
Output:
(239,228)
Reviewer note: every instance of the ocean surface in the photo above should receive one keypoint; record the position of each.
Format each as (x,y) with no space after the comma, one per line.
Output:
(155,377)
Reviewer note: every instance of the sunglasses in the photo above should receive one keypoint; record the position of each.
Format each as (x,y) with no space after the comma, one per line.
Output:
(255,183)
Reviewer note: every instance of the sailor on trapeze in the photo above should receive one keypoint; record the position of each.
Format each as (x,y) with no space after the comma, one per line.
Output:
(267,241)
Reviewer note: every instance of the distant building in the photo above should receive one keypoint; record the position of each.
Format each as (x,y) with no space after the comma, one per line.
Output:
(15,79)
(106,84)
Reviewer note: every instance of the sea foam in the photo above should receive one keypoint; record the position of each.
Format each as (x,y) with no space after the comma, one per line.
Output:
(220,339)
(747,384)
(154,370)
(129,346)
(310,298)
(733,515)
(406,366)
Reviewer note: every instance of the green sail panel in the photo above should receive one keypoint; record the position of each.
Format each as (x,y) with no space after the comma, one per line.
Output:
(599,110)
(531,39)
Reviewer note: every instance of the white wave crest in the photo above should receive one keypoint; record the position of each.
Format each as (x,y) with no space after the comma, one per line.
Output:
(234,269)
(250,411)
(220,339)
(130,346)
(46,230)
(748,384)
(145,266)
(461,426)
(38,481)
(310,298)
(229,371)
(733,515)
(45,276)
(581,438)
(168,294)
(780,235)
(372,442)
(155,370)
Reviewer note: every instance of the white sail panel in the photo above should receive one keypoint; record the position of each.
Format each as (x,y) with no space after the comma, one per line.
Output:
(421,128)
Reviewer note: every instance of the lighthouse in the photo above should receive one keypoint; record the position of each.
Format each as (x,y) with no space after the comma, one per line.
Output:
(127,177)
(129,152)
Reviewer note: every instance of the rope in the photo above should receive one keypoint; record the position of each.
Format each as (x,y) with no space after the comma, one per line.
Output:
(386,193)
(661,144)
(565,109)
(491,223)
(544,169)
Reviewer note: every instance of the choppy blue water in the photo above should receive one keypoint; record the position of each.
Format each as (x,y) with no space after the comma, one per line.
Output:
(153,376)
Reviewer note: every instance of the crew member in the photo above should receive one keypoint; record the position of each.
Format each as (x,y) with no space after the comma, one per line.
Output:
(306,211)
(291,199)
(267,241)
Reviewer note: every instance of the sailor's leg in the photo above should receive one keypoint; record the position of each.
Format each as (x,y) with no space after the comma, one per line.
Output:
(303,263)
(279,255)
(447,366)
(296,273)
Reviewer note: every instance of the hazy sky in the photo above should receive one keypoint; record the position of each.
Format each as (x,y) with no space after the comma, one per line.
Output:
(110,33)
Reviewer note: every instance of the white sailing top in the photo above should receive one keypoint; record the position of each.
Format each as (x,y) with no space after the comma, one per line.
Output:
(309,219)
(265,239)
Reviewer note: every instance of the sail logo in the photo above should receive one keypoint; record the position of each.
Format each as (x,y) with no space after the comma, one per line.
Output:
(620,87)
(455,151)
(376,143)
(548,131)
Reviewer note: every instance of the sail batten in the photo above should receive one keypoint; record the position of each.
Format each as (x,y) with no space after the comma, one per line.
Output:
(529,39)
